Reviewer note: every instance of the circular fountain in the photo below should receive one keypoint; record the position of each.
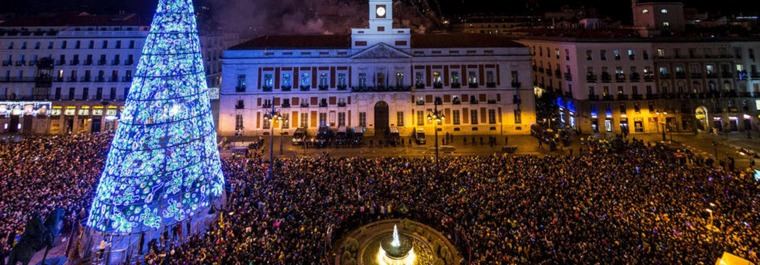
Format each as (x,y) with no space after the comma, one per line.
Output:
(396,250)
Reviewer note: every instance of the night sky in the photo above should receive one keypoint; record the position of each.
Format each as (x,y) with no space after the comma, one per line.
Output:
(260,17)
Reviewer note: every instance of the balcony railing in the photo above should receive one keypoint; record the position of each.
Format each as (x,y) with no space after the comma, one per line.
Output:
(342,104)
(516,85)
(727,75)
(591,78)
(305,88)
(473,85)
(17,79)
(88,62)
(491,85)
(322,87)
(286,88)
(635,77)
(7,63)
(456,85)
(622,97)
(696,75)
(608,97)
(637,97)
(681,75)
(593,97)
(606,78)
(360,89)
(342,87)
(266,88)
(419,86)
(126,79)
(620,78)
(568,77)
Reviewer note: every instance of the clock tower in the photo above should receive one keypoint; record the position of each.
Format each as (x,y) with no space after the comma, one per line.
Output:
(380,28)
(381,14)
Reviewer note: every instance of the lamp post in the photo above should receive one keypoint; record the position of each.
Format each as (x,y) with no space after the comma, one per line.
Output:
(272,115)
(663,116)
(436,117)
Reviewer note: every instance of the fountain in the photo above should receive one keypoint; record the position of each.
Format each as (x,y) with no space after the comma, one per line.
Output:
(396,250)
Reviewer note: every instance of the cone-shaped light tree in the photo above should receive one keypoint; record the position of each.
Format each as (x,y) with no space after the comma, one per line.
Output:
(163,166)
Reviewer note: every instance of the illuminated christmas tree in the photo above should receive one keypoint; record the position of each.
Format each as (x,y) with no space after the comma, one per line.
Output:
(163,166)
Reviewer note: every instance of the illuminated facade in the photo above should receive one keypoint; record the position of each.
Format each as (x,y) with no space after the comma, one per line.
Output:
(377,79)
(163,166)
(647,85)
(83,64)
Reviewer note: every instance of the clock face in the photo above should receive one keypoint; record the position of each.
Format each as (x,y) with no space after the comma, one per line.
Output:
(380,11)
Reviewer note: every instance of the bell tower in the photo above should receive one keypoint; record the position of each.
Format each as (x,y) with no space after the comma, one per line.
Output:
(380,28)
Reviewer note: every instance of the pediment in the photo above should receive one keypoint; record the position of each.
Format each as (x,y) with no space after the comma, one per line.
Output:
(381,51)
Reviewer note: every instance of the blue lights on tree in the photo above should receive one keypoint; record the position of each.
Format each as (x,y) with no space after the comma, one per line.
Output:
(163,166)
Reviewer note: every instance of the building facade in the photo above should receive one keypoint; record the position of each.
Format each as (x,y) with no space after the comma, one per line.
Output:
(647,85)
(71,74)
(377,79)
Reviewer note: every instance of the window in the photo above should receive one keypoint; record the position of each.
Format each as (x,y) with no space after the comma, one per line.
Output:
(287,80)
(418,80)
(241,87)
(631,54)
(322,80)
(99,93)
(473,78)
(455,78)
(131,44)
(57,93)
(400,119)
(518,116)
(304,120)
(268,81)
(85,93)
(664,11)
(362,119)
(455,117)
(603,55)
(323,120)
(420,118)
(341,119)
(491,79)
(437,79)
(399,79)
(588,55)
(71,93)
(660,53)
(616,53)
(474,117)
(645,11)
(362,79)
(112,95)
(239,122)
(105,44)
(305,80)
(491,116)
(342,80)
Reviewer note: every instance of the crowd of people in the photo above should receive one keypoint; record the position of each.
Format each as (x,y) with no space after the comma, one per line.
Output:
(40,174)
(629,203)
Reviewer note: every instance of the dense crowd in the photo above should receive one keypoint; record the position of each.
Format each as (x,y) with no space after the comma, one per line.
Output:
(40,174)
(607,204)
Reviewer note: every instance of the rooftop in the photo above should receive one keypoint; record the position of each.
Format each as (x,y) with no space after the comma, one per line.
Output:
(419,41)
(74,20)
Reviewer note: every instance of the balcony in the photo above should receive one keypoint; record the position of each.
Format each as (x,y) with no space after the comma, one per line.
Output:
(266,88)
(9,79)
(419,86)
(342,104)
(557,73)
(59,62)
(72,79)
(304,105)
(622,97)
(285,105)
(322,87)
(88,62)
(652,96)
(608,98)
(474,101)
(114,79)
(755,75)
(342,87)
(101,62)
(266,106)
(637,97)
(726,75)
(680,75)
(473,85)
(364,89)
(20,62)
(7,63)
(323,104)
(591,78)
(635,77)
(711,75)
(126,79)
(568,76)
(305,88)
(456,85)
(491,85)
(456,101)
(74,62)
(648,77)
(696,75)
(593,97)
(100,79)
(239,106)
(516,85)
(115,62)
(129,62)
(606,78)
(286,88)
(620,78)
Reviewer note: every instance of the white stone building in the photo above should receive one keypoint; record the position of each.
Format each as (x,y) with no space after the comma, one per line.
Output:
(71,74)
(378,78)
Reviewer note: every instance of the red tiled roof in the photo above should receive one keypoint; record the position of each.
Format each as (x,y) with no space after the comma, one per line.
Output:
(419,41)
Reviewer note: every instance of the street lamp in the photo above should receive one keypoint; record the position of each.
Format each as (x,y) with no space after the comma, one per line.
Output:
(436,117)
(271,116)
(663,116)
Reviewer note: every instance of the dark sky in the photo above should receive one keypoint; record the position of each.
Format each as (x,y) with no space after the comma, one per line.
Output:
(258,17)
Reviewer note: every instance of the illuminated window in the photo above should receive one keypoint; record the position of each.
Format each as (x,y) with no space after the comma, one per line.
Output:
(645,11)
(664,11)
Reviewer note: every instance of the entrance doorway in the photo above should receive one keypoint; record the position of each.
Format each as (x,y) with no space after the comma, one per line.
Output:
(381,118)
(701,115)
(14,124)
